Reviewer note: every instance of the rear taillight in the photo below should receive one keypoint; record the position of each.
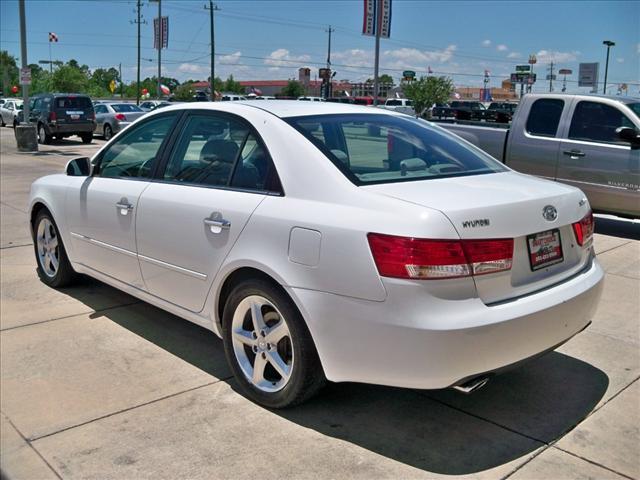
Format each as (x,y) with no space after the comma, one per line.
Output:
(419,258)
(92,116)
(52,116)
(120,117)
(584,229)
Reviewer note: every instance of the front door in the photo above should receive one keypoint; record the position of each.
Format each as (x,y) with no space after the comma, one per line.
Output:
(595,160)
(190,218)
(102,211)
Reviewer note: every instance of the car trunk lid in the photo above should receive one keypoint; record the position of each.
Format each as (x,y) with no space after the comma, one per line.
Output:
(508,205)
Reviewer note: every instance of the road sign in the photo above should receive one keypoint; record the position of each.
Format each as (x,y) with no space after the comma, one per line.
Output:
(588,75)
(565,71)
(25,76)
(112,86)
(523,68)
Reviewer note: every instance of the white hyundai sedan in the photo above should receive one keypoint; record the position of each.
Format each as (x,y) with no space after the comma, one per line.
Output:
(326,241)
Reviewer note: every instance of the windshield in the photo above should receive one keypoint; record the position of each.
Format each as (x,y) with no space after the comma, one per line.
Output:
(635,108)
(125,107)
(374,148)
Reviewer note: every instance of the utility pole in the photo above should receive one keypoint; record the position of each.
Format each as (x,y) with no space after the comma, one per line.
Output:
(138,22)
(551,77)
(212,8)
(160,42)
(120,79)
(23,60)
(609,44)
(376,84)
(329,78)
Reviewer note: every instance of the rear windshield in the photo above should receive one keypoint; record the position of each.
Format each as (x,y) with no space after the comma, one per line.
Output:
(125,107)
(73,102)
(374,148)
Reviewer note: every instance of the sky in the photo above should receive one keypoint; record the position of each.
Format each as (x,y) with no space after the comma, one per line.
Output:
(270,40)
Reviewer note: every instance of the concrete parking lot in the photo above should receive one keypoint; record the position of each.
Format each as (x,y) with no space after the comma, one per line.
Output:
(97,384)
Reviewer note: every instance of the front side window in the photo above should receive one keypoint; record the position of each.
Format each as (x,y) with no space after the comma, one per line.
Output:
(134,153)
(597,122)
(375,148)
(544,117)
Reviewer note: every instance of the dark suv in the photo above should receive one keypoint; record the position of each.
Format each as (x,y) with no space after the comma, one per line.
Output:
(62,115)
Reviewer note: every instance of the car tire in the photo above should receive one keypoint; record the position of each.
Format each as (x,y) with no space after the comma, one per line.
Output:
(53,266)
(2,124)
(87,137)
(278,343)
(108,132)
(43,138)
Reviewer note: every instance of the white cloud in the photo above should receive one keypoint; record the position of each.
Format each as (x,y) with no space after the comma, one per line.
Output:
(192,68)
(547,56)
(514,55)
(230,59)
(502,48)
(415,57)
(620,60)
(486,43)
(283,58)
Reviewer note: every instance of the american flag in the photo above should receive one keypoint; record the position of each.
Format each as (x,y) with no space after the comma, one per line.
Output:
(53,37)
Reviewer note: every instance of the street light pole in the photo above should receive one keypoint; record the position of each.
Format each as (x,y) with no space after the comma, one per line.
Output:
(609,44)
(212,7)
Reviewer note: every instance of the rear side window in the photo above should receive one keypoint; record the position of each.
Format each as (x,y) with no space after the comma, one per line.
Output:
(544,117)
(125,107)
(376,148)
(73,102)
(597,122)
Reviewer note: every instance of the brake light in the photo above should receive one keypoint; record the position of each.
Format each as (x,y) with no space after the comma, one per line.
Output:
(419,258)
(92,116)
(52,116)
(120,117)
(584,229)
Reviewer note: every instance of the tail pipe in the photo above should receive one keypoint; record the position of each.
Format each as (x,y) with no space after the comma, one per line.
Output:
(472,385)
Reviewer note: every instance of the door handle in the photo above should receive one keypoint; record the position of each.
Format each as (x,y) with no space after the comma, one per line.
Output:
(216,225)
(574,153)
(124,207)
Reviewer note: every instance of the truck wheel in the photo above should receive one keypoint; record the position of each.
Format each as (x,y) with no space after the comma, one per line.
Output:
(87,137)
(43,138)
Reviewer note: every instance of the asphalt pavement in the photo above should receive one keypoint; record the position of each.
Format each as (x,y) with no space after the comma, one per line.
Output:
(97,384)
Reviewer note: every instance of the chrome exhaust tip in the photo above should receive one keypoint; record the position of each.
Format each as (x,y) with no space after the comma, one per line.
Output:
(472,385)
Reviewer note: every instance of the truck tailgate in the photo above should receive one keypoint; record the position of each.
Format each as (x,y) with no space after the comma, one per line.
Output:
(490,139)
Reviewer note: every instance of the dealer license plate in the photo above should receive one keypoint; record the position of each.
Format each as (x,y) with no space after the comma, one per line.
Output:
(545,249)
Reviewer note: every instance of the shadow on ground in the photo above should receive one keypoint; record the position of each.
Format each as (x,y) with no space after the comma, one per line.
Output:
(437,431)
(618,227)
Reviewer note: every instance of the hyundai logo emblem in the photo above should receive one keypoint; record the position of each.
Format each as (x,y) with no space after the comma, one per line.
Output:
(549,213)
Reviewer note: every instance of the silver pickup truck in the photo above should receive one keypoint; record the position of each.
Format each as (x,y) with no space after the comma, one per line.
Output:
(589,141)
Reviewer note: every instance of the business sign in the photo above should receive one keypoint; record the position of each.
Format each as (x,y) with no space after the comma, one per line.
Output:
(369,22)
(25,76)
(161,35)
(565,71)
(377,18)
(408,74)
(588,75)
(523,68)
(520,77)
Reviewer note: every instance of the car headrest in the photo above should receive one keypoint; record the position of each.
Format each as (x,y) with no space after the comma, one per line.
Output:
(219,150)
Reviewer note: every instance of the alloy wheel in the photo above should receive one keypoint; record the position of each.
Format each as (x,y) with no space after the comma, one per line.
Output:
(262,344)
(48,248)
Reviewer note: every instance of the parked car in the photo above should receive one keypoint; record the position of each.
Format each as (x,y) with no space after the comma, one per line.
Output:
(502,111)
(401,105)
(349,100)
(9,112)
(326,241)
(232,98)
(151,105)
(113,117)
(587,141)
(311,99)
(462,110)
(61,115)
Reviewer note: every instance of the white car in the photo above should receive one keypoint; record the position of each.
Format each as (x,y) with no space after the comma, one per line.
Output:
(326,241)
(9,112)
(401,105)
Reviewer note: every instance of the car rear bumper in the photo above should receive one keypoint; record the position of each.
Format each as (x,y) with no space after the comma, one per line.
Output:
(415,340)
(71,128)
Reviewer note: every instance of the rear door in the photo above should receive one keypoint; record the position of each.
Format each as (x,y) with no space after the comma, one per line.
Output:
(191,216)
(595,160)
(73,110)
(101,113)
(534,141)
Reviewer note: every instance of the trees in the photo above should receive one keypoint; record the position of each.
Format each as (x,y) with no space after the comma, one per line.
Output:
(67,78)
(293,89)
(184,92)
(8,71)
(427,91)
(232,86)
(384,78)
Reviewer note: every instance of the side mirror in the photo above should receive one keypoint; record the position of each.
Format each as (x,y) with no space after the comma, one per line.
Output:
(79,167)
(629,134)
